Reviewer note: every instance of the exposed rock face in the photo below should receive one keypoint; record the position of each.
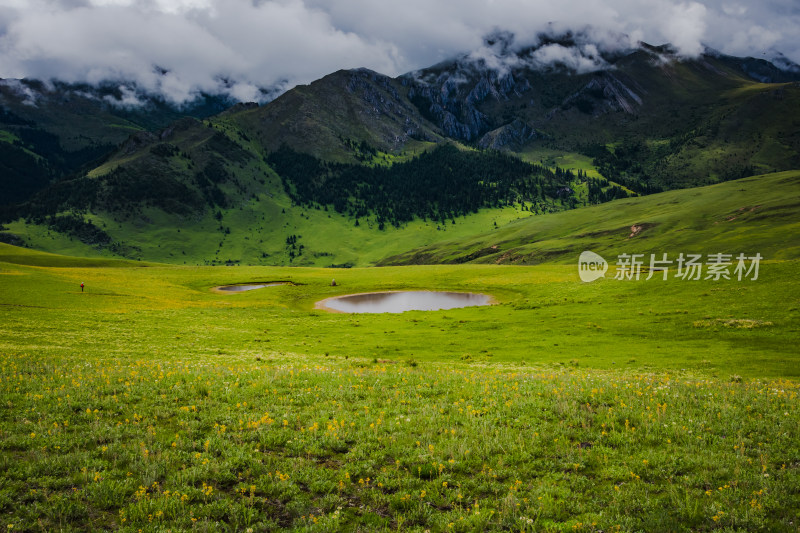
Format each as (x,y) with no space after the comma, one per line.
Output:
(606,92)
(382,99)
(513,135)
(452,99)
(479,98)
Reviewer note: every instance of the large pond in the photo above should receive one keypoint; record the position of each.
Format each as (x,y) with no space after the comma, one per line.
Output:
(399,302)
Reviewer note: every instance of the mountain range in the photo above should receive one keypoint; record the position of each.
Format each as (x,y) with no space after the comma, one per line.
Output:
(482,139)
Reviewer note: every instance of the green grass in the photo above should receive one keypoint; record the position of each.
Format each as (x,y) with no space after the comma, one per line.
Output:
(149,402)
(258,233)
(10,138)
(544,314)
(557,158)
(311,444)
(756,214)
(108,166)
(24,256)
(752,215)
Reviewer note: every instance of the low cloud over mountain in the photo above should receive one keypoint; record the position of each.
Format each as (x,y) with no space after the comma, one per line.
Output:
(251,49)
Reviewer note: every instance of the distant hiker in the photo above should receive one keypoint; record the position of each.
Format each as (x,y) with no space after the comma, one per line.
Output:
(81,286)
(333,283)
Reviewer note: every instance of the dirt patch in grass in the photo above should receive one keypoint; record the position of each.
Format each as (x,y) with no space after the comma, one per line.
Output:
(738,323)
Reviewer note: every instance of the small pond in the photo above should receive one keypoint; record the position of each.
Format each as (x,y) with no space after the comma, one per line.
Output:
(398,302)
(249,286)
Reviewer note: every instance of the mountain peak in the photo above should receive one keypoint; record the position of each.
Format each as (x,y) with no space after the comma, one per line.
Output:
(500,40)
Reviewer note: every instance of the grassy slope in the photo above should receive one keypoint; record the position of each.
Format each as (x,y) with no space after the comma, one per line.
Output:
(149,402)
(81,118)
(702,121)
(78,123)
(262,228)
(716,121)
(317,118)
(260,218)
(557,158)
(751,215)
(24,256)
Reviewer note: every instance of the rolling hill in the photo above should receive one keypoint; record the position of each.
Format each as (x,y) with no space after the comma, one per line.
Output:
(750,215)
(49,131)
(357,167)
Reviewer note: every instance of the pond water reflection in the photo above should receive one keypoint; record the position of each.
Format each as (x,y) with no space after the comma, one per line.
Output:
(398,302)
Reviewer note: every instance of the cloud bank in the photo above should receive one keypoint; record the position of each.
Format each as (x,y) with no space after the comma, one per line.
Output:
(181,47)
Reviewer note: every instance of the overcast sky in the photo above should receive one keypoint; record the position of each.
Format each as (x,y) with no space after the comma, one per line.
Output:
(268,42)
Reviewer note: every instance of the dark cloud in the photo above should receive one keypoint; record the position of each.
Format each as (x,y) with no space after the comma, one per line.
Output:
(179,47)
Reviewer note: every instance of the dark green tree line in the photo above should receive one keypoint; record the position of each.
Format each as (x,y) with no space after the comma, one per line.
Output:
(438,185)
